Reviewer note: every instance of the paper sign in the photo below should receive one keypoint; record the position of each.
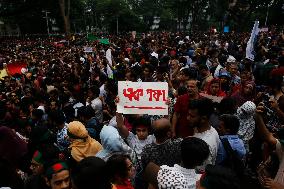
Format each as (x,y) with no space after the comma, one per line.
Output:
(88,49)
(142,98)
(263,30)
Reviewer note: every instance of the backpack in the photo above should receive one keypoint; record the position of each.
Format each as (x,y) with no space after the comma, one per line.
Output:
(232,160)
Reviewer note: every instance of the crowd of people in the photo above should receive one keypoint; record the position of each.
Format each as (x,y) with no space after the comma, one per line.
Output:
(60,128)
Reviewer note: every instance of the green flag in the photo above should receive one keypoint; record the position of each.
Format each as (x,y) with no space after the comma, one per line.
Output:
(91,37)
(104,41)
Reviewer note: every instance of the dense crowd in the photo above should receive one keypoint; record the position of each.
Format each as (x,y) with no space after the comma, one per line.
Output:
(60,128)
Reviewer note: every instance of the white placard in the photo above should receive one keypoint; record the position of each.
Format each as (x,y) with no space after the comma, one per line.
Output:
(88,49)
(142,98)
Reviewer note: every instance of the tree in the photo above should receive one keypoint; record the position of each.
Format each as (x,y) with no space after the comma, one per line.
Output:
(65,12)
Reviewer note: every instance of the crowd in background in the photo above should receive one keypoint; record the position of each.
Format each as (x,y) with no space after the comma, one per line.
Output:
(60,129)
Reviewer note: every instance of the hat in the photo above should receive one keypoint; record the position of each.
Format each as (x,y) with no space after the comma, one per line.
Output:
(38,157)
(77,130)
(231,59)
(224,74)
(56,168)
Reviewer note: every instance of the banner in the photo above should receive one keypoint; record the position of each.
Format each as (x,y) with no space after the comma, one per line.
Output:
(104,41)
(142,98)
(250,45)
(16,68)
(91,37)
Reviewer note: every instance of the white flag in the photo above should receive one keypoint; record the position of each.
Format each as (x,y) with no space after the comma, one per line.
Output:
(250,45)
(108,57)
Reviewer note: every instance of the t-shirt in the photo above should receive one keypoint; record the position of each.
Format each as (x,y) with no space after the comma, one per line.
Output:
(181,107)
(97,105)
(280,173)
(177,177)
(167,153)
(138,145)
(211,137)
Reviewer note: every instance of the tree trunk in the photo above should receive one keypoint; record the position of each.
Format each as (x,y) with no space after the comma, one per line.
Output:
(65,12)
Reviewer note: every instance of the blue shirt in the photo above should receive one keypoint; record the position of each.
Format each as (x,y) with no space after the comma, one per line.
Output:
(236,143)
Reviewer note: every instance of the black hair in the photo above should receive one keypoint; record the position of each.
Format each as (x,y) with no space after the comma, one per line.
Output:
(194,152)
(86,111)
(88,171)
(116,166)
(38,113)
(57,116)
(204,106)
(275,82)
(182,90)
(227,106)
(219,177)
(231,122)
(95,90)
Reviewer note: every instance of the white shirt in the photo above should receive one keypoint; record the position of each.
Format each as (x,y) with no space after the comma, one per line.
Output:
(97,105)
(138,145)
(211,137)
(168,177)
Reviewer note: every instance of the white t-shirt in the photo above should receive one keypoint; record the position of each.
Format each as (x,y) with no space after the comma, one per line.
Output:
(138,145)
(211,137)
(97,105)
(177,177)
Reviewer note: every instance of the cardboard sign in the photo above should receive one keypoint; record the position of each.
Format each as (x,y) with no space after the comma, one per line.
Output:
(142,98)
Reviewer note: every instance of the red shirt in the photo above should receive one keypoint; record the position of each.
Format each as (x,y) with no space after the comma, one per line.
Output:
(181,107)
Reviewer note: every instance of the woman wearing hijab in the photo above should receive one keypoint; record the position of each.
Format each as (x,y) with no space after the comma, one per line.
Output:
(112,143)
(82,145)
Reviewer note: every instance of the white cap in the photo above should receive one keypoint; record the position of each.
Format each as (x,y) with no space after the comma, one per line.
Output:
(231,59)
(154,54)
(82,59)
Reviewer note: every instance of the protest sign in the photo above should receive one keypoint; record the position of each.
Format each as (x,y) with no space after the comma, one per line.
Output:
(142,98)
(263,30)
(88,49)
